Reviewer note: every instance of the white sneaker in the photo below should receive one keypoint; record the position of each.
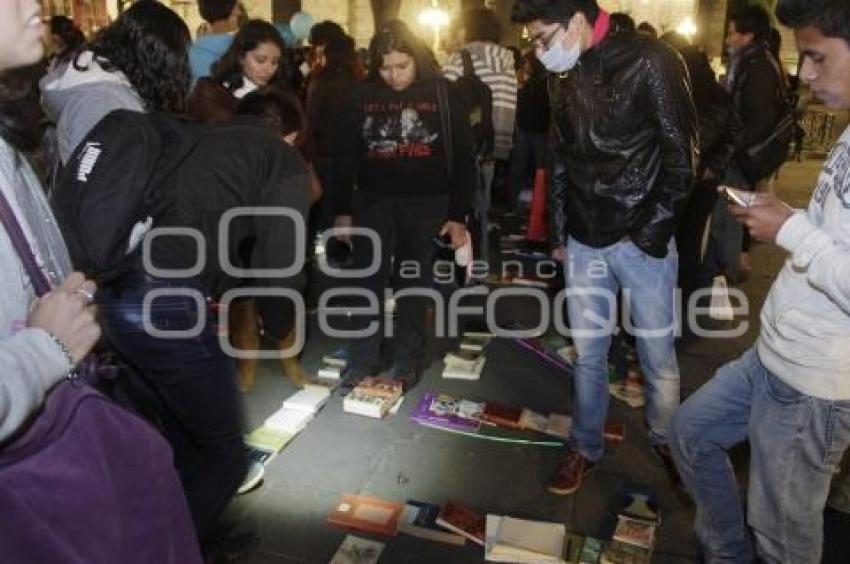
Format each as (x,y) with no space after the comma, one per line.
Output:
(252,479)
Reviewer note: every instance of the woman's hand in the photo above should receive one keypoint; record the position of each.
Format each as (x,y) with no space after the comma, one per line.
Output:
(457,233)
(65,313)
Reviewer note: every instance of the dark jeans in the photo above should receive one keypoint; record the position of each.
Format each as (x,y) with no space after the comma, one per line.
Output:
(193,383)
(690,236)
(406,227)
(528,155)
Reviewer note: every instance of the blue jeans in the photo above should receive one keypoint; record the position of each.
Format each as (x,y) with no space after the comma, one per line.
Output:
(796,444)
(594,277)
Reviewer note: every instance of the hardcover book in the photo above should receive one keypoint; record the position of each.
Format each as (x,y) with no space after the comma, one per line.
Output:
(464,521)
(366,513)
(520,540)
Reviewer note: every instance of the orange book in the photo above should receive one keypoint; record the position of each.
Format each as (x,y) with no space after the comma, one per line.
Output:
(367,514)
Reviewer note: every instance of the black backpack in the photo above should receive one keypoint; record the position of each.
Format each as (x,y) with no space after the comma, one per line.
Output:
(118,177)
(767,156)
(479,101)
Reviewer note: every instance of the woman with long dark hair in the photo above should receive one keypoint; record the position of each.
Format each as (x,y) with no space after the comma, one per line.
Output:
(405,141)
(254,60)
(137,63)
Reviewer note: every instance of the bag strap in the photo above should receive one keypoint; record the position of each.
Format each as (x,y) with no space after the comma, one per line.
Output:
(22,247)
(446,122)
(468,66)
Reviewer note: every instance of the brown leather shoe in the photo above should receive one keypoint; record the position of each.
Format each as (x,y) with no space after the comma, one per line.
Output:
(569,474)
(663,452)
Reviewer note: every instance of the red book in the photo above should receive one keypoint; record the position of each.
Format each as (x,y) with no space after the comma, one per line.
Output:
(463,521)
(367,514)
(501,415)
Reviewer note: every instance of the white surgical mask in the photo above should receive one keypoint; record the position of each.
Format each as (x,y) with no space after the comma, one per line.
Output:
(558,58)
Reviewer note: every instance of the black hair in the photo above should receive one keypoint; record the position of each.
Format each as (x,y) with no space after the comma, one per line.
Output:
(830,17)
(21,115)
(216,10)
(325,31)
(621,22)
(71,35)
(648,28)
(227,71)
(537,68)
(149,43)
(752,19)
(396,36)
(481,24)
(339,54)
(552,11)
(281,110)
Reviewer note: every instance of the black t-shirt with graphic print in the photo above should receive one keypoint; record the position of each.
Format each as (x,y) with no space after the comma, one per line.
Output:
(392,144)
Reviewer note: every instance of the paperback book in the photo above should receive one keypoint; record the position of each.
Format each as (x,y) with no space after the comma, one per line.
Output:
(356,550)
(520,540)
(443,410)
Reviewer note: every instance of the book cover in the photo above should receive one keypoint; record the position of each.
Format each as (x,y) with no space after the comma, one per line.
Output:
(501,415)
(356,550)
(591,551)
(373,397)
(443,410)
(366,513)
(637,532)
(261,455)
(267,438)
(310,399)
(617,552)
(419,519)
(464,521)
(559,425)
(534,421)
(289,420)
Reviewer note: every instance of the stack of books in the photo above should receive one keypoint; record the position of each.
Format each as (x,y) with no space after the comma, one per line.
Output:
(333,365)
(464,365)
(634,537)
(373,397)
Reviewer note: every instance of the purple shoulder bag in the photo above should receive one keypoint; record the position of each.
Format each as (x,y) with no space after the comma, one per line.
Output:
(85,482)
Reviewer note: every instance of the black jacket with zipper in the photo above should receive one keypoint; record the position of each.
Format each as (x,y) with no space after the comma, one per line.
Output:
(624,143)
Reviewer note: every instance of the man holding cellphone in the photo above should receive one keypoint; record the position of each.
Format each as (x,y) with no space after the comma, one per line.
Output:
(789,395)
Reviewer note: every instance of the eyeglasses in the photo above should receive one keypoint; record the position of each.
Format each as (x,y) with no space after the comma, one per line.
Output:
(544,40)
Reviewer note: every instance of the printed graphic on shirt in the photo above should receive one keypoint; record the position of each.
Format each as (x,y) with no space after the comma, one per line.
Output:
(835,176)
(399,130)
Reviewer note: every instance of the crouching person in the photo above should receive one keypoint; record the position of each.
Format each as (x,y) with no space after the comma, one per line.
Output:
(156,311)
(790,394)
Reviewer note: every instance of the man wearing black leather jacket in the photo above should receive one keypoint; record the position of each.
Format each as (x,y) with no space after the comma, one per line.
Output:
(623,144)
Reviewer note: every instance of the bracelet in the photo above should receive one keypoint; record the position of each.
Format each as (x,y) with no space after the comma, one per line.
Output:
(72,364)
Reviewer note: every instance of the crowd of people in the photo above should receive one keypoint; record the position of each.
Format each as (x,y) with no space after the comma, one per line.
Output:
(236,151)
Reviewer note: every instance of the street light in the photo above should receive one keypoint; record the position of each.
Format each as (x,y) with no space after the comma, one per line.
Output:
(435,18)
(687,28)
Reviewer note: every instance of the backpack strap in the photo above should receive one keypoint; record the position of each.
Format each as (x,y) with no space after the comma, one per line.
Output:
(22,247)
(446,123)
(468,66)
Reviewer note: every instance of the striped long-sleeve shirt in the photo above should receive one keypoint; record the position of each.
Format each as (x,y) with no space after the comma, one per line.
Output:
(494,65)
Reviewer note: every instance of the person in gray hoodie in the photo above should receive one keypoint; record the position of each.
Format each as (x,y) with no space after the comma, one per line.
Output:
(222,16)
(113,73)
